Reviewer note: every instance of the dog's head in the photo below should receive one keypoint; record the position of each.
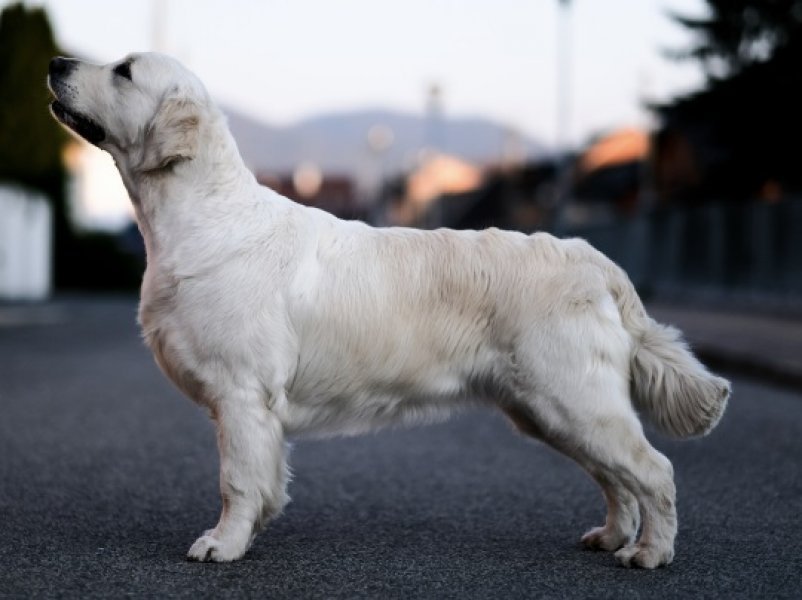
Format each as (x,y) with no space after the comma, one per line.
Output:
(145,109)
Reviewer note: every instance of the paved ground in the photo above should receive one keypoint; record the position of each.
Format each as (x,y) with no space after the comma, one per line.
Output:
(107,475)
(762,345)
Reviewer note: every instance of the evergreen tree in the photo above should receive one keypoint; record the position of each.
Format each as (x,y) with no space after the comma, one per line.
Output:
(31,146)
(738,33)
(30,140)
(741,124)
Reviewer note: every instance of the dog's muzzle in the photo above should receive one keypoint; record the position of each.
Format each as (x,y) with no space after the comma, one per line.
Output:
(59,70)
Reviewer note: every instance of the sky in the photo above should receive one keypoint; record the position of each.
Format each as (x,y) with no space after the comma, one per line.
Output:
(283,60)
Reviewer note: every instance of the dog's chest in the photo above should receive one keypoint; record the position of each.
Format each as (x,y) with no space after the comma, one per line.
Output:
(164,334)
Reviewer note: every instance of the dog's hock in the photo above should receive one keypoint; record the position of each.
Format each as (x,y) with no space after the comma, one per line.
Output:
(172,135)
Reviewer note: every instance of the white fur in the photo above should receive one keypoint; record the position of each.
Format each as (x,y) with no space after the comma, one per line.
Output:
(282,319)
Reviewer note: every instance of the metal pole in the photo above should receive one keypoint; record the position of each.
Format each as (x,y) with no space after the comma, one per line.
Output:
(564,78)
(158,23)
(562,185)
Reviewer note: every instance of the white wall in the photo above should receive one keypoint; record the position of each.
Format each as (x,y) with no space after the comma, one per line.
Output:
(25,245)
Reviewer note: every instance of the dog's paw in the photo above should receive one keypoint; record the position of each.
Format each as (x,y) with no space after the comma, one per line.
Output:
(210,549)
(644,556)
(602,538)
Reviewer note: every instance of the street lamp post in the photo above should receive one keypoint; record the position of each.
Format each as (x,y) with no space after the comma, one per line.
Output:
(564,78)
(562,185)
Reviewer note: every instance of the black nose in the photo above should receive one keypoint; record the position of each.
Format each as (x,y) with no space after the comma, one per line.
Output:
(60,67)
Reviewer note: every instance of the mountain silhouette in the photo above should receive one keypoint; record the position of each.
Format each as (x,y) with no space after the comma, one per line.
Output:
(338,142)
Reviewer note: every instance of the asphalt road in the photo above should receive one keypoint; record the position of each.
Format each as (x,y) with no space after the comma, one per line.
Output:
(107,475)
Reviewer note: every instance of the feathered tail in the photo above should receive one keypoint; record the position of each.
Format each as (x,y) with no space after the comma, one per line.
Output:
(679,395)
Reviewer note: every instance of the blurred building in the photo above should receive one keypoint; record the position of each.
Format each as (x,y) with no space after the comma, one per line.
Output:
(609,177)
(309,186)
(418,197)
(96,196)
(447,192)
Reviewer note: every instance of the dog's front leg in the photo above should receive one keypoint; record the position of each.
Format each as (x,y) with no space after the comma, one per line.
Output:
(253,476)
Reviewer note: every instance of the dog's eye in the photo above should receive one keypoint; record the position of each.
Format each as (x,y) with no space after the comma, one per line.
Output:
(123,70)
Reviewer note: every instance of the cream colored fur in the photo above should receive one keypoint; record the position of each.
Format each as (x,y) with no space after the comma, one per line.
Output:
(281,319)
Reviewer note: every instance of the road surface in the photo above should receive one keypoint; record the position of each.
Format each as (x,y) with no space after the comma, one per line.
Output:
(107,475)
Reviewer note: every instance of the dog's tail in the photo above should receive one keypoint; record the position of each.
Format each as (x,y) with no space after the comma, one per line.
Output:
(679,395)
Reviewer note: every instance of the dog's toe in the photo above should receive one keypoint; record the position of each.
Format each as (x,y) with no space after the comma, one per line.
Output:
(644,556)
(601,538)
(202,549)
(209,549)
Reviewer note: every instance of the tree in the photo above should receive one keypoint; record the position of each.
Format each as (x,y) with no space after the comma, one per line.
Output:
(30,141)
(738,128)
(31,146)
(738,33)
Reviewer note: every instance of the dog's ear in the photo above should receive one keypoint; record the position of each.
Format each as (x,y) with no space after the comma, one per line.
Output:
(172,135)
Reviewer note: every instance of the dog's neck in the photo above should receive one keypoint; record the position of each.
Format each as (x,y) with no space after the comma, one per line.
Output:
(187,192)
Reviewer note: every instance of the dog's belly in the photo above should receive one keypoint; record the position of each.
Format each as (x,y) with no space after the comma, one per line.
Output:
(342,393)
(351,415)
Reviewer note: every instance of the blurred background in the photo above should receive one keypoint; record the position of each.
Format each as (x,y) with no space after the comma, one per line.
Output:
(666,132)
(663,131)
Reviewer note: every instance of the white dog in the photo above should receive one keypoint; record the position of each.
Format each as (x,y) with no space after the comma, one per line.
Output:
(281,319)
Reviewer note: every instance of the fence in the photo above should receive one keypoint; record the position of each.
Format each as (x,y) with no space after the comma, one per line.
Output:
(730,248)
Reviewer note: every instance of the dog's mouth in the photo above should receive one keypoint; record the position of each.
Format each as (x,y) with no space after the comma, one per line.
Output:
(88,129)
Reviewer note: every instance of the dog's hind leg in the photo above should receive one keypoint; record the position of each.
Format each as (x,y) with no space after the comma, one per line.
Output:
(623,518)
(593,422)
(253,476)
